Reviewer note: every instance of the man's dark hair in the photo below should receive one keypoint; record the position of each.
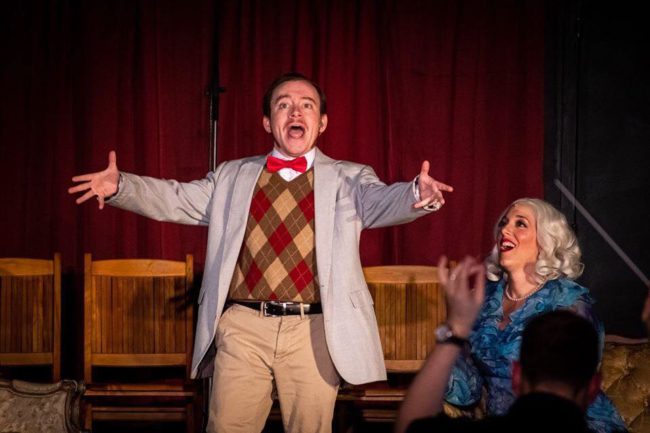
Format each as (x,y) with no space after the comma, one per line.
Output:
(291,76)
(559,346)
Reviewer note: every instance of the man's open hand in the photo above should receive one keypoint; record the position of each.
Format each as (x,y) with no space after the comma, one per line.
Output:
(430,189)
(101,184)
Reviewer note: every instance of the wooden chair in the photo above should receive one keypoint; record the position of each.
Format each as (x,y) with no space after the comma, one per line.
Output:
(138,320)
(409,305)
(30,313)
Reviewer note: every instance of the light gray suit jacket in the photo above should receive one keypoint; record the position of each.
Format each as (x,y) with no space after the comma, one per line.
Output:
(348,198)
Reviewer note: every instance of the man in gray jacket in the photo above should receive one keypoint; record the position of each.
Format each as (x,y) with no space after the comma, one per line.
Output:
(283,296)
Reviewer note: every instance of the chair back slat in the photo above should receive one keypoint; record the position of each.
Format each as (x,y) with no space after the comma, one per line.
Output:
(139,268)
(138,315)
(26,315)
(409,305)
(12,266)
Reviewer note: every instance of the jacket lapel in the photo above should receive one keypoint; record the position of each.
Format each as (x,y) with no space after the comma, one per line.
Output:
(325,181)
(238,213)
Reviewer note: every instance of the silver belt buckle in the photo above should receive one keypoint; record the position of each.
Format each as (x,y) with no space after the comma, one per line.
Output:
(265,309)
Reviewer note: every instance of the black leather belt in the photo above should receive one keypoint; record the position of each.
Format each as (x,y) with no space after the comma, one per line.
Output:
(279,308)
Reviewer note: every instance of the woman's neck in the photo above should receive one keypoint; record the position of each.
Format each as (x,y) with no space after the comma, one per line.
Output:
(521,282)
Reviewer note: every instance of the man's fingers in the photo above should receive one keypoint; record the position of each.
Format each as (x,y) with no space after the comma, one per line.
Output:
(85,197)
(80,187)
(460,270)
(101,202)
(421,203)
(112,159)
(461,273)
(425,168)
(431,190)
(84,177)
(443,271)
(435,196)
(444,187)
(478,272)
(456,281)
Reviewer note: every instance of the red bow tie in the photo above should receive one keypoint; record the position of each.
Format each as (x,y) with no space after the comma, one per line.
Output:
(274,164)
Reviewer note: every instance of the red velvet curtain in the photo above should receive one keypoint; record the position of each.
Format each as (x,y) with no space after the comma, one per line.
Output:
(456,82)
(80,78)
(459,83)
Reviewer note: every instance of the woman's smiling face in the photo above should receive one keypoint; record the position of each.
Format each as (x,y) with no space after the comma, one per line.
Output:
(517,238)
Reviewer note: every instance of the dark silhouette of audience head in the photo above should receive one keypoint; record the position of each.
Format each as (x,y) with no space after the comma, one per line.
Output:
(559,351)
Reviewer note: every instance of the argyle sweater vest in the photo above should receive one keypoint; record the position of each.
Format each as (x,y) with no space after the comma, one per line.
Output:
(278,258)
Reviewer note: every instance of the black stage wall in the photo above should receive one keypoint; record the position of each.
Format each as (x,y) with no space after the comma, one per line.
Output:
(597,141)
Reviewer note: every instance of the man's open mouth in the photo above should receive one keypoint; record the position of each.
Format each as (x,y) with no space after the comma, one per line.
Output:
(296,131)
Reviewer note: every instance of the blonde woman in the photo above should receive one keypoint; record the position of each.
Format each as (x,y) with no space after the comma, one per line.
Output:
(530,271)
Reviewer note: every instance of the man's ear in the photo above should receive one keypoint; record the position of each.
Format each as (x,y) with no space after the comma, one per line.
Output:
(323,124)
(266,123)
(516,378)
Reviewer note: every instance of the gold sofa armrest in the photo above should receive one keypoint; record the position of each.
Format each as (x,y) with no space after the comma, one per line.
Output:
(626,379)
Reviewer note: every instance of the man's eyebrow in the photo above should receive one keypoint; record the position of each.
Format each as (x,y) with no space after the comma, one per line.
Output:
(280,97)
(287,95)
(521,216)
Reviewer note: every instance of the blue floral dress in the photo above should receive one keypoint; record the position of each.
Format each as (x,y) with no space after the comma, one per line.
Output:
(493,350)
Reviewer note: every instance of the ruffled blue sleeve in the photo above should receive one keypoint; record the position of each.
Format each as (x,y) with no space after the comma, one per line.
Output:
(465,384)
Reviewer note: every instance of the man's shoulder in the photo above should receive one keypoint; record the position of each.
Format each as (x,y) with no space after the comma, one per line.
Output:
(235,164)
(321,158)
(350,166)
(567,416)
(241,161)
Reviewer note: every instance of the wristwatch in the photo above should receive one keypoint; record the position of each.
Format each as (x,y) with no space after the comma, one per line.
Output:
(445,335)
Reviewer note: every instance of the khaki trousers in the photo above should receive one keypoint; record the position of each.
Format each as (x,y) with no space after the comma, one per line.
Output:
(253,352)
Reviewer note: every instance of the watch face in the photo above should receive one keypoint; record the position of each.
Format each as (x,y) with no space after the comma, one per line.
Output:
(443,332)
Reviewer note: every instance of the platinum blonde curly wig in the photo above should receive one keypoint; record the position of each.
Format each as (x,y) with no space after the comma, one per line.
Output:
(559,252)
